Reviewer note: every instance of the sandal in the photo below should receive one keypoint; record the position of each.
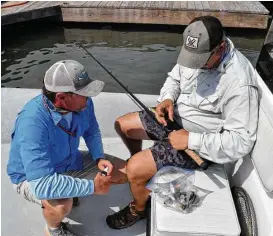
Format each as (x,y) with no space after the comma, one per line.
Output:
(125,218)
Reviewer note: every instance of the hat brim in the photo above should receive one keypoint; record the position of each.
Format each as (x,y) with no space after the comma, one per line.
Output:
(192,60)
(92,89)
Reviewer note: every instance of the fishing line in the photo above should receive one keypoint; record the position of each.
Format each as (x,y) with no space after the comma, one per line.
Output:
(192,154)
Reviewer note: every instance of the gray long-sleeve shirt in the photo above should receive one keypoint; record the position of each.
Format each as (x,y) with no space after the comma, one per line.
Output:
(218,107)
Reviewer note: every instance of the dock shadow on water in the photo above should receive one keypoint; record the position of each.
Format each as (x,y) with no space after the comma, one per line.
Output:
(139,55)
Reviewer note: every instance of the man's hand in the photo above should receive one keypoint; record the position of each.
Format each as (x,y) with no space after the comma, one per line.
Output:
(101,184)
(179,139)
(165,107)
(105,163)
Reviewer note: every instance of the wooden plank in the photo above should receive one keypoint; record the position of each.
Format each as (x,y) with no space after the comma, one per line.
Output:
(124,4)
(30,15)
(91,4)
(213,5)
(10,4)
(140,4)
(245,6)
(163,5)
(191,5)
(30,6)
(110,4)
(228,6)
(198,5)
(46,4)
(156,9)
(53,3)
(206,6)
(115,4)
(176,5)
(146,4)
(103,4)
(220,6)
(183,5)
(74,4)
(261,7)
(152,16)
(13,9)
(232,6)
(135,4)
(240,7)
(160,5)
(25,7)
(253,7)
(37,5)
(153,5)
(170,5)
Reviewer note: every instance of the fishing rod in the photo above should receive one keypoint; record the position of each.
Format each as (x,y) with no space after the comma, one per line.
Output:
(202,164)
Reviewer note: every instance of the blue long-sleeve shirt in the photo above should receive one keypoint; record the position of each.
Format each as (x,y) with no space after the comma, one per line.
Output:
(41,151)
(59,186)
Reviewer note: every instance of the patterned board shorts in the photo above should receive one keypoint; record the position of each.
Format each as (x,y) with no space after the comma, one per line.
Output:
(88,172)
(163,152)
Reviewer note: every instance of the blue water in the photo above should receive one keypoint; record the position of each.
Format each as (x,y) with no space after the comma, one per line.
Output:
(139,56)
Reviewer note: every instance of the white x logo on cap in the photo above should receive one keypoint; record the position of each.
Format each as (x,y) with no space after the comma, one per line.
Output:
(192,42)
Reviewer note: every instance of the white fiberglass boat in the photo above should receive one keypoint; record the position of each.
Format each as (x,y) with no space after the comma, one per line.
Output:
(216,216)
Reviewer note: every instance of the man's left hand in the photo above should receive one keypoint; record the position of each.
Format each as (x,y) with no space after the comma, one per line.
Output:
(105,163)
(179,139)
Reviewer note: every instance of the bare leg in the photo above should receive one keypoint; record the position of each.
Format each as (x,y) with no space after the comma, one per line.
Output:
(55,211)
(119,173)
(130,129)
(140,168)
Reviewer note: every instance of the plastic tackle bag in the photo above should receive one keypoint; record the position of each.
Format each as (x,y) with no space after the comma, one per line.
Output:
(174,188)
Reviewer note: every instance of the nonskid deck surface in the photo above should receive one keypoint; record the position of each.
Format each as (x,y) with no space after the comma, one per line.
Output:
(22,218)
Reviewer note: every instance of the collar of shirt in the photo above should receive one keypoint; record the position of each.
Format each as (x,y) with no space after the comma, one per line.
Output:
(189,72)
(222,67)
(56,116)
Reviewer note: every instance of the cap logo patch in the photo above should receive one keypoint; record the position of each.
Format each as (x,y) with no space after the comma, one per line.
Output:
(82,75)
(192,42)
(81,80)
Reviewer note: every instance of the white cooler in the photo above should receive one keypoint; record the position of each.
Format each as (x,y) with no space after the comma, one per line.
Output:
(216,215)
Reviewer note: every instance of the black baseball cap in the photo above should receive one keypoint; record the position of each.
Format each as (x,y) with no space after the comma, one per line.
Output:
(200,37)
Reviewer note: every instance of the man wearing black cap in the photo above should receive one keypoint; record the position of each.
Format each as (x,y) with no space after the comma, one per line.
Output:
(212,93)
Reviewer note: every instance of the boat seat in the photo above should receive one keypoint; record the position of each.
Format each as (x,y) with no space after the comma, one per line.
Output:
(216,215)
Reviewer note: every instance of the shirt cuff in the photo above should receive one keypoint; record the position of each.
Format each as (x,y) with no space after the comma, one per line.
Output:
(92,187)
(98,160)
(194,142)
(166,96)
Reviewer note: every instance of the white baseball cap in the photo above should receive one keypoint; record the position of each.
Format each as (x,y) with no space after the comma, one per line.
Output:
(71,76)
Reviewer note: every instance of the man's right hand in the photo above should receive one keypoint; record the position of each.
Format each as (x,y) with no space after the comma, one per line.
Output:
(163,108)
(101,184)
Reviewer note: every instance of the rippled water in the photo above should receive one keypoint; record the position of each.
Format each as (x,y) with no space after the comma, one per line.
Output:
(139,56)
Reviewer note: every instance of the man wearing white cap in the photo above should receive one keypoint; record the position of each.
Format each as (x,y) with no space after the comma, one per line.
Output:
(212,93)
(45,165)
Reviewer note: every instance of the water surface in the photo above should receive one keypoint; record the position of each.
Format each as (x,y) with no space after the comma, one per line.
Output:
(140,56)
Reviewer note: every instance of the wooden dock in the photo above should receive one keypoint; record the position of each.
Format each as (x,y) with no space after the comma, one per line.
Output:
(239,14)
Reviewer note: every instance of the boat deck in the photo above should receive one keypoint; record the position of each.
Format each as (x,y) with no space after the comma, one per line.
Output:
(239,14)
(23,218)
